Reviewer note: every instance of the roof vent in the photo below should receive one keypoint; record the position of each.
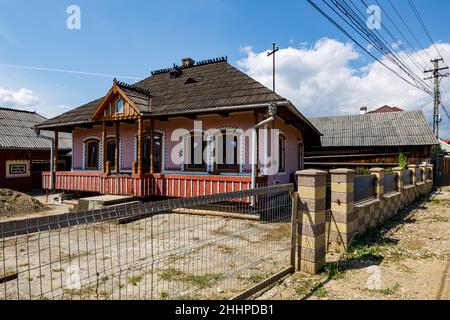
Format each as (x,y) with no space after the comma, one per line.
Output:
(175,72)
(363,110)
(190,80)
(187,62)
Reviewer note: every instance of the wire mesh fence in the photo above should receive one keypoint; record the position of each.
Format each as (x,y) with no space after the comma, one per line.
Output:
(210,247)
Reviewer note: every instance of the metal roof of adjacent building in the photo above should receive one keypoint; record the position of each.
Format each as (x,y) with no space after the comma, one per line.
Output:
(17,131)
(408,128)
(445,146)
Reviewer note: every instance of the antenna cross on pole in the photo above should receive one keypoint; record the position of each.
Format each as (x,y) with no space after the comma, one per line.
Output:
(272,53)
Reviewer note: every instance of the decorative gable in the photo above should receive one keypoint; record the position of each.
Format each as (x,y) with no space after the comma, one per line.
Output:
(117,105)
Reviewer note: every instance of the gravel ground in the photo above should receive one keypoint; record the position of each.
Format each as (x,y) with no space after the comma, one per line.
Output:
(407,259)
(166,256)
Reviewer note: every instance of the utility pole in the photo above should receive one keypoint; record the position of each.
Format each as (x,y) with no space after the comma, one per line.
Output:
(272,53)
(437,76)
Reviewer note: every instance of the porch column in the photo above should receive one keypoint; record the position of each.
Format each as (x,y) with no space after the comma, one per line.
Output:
(56,153)
(256,121)
(140,147)
(152,145)
(117,124)
(104,147)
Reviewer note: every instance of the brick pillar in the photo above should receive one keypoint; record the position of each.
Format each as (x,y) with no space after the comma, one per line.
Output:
(430,177)
(379,186)
(311,210)
(430,168)
(424,169)
(399,171)
(378,173)
(413,168)
(344,222)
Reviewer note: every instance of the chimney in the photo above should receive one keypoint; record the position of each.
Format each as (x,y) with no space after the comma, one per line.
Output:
(187,62)
(363,110)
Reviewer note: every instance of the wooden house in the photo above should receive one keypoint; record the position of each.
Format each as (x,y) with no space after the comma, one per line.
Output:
(372,139)
(142,139)
(23,154)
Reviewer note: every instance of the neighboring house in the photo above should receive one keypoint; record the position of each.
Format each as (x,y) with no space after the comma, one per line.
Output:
(446,159)
(385,109)
(447,141)
(374,139)
(24,155)
(445,146)
(123,142)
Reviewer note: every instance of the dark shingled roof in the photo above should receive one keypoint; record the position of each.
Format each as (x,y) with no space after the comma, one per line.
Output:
(206,86)
(17,131)
(408,128)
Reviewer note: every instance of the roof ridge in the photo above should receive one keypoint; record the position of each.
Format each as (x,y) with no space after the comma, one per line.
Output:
(367,114)
(133,87)
(197,64)
(19,110)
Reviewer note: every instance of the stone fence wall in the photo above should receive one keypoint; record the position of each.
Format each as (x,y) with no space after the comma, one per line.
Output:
(321,229)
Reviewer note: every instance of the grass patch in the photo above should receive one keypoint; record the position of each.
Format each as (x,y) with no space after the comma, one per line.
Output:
(387,291)
(225,249)
(375,243)
(58,270)
(164,295)
(308,288)
(203,281)
(437,218)
(134,280)
(172,275)
(320,291)
(334,271)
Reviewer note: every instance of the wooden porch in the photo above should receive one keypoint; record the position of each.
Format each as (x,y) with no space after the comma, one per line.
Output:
(146,185)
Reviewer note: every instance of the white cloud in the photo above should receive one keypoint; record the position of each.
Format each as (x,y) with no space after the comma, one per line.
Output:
(21,97)
(321,80)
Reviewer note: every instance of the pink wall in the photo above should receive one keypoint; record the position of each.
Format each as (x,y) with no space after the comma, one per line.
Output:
(242,121)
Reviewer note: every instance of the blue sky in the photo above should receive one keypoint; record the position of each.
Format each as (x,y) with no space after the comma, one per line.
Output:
(134,37)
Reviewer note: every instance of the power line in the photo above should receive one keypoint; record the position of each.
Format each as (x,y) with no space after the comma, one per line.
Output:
(361,29)
(425,64)
(416,12)
(409,29)
(329,18)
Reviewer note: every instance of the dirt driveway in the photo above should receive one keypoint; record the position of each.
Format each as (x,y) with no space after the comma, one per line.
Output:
(407,258)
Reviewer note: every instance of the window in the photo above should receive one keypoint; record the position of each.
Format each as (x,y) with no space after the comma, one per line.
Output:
(92,155)
(111,152)
(17,169)
(119,106)
(228,156)
(194,159)
(281,154)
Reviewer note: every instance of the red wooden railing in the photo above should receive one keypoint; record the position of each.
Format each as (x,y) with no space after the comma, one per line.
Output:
(167,185)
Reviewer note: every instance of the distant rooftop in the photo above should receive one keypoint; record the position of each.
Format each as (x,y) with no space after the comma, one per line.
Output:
(408,128)
(385,109)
